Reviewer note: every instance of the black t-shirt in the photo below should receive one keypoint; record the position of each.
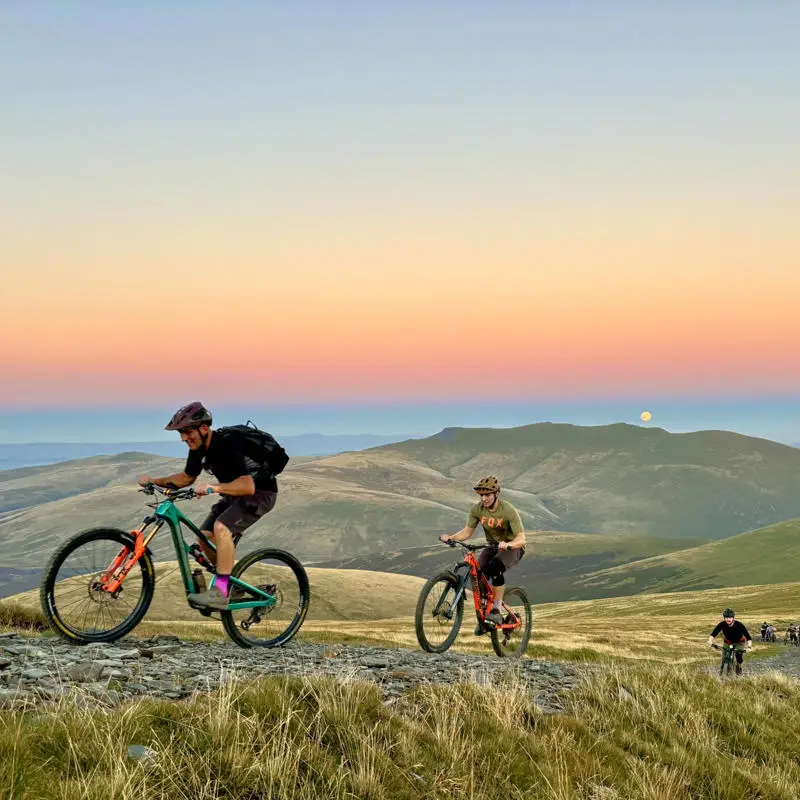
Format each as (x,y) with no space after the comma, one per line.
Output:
(225,462)
(732,633)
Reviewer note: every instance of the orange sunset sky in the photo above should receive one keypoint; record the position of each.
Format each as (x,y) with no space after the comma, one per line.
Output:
(324,204)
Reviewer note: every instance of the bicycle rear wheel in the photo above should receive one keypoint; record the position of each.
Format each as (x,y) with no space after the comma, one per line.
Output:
(436,619)
(72,596)
(280,575)
(513,643)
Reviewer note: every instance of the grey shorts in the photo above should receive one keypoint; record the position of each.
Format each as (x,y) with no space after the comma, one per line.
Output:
(237,514)
(494,563)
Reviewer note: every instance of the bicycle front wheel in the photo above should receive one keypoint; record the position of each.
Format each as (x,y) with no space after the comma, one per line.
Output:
(512,643)
(437,619)
(727,663)
(72,594)
(283,577)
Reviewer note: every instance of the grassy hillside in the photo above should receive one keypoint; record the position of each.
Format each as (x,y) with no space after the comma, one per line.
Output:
(638,733)
(615,479)
(668,628)
(633,727)
(551,570)
(766,555)
(377,609)
(336,595)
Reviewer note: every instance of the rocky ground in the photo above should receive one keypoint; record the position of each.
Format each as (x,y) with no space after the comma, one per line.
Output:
(787,662)
(35,671)
(39,670)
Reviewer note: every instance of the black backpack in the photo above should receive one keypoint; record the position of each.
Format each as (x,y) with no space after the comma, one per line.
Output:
(262,453)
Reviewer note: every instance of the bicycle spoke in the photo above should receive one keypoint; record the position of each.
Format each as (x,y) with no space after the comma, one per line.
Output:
(512,642)
(280,576)
(72,594)
(437,617)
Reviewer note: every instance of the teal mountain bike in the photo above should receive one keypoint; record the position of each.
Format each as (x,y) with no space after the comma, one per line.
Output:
(98,585)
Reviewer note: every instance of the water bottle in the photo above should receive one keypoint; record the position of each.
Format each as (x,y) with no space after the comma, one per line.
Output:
(199,578)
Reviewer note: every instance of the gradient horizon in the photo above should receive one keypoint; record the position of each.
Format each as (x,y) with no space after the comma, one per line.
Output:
(360,204)
(776,418)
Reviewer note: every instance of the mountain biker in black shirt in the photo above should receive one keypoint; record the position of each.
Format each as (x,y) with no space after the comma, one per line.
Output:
(244,498)
(735,634)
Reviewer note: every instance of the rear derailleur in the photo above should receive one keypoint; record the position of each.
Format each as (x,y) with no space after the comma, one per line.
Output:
(257,614)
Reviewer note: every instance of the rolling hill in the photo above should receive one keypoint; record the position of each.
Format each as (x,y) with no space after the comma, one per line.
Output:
(767,555)
(613,480)
(551,570)
(336,595)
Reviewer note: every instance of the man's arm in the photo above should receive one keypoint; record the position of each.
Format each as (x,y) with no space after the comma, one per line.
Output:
(747,636)
(461,536)
(517,543)
(243,486)
(714,633)
(179,479)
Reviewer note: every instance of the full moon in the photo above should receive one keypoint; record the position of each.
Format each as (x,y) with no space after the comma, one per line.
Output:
(645,416)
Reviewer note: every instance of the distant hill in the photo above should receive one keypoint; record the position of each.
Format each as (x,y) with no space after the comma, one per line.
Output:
(613,480)
(616,478)
(14,456)
(767,555)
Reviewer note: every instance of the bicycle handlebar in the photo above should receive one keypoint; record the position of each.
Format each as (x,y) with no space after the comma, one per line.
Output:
(471,547)
(171,493)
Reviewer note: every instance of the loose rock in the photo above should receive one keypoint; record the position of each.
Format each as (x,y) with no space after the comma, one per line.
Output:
(43,669)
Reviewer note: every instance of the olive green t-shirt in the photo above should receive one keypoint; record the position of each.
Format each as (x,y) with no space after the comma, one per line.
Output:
(500,525)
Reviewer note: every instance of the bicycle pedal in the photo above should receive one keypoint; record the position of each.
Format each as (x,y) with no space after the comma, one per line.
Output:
(204,610)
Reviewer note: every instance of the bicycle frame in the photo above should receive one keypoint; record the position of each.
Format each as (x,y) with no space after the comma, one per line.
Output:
(168,513)
(728,657)
(469,569)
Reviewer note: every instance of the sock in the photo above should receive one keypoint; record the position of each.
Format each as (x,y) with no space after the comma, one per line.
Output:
(497,605)
(221,582)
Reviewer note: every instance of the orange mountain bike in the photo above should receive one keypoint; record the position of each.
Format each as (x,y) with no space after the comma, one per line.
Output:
(440,608)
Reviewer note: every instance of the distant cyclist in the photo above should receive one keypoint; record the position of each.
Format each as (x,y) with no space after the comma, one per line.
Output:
(502,526)
(244,498)
(734,634)
(792,632)
(764,626)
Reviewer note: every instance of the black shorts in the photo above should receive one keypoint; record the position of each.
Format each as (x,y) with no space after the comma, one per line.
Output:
(237,514)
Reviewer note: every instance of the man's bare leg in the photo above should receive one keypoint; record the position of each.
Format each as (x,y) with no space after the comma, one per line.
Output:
(216,596)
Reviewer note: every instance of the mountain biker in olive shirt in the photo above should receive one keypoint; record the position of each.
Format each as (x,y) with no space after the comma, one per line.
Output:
(502,526)
(735,634)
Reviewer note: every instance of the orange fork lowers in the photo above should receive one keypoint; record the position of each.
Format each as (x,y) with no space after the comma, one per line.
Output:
(122,564)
